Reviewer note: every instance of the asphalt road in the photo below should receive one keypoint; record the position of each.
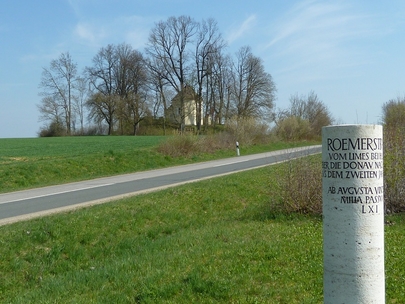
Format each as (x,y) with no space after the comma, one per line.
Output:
(22,205)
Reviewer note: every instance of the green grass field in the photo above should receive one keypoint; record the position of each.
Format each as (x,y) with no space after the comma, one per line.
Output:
(37,162)
(34,162)
(215,241)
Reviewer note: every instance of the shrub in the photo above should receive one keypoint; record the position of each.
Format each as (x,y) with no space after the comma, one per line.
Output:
(304,119)
(301,182)
(301,186)
(293,128)
(191,145)
(177,145)
(247,131)
(394,169)
(54,129)
(394,154)
(215,142)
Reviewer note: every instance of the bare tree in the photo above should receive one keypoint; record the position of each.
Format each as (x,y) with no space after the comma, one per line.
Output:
(317,114)
(312,109)
(253,89)
(158,83)
(219,85)
(82,94)
(57,83)
(50,110)
(137,101)
(208,42)
(169,47)
(118,79)
(103,108)
(308,113)
(131,74)
(104,84)
(298,106)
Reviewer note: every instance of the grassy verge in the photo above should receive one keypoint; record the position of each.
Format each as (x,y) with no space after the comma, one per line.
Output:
(36,162)
(215,241)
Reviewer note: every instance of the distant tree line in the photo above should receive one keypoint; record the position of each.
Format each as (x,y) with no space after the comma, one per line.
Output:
(123,86)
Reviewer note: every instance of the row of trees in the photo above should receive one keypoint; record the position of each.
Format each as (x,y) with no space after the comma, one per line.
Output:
(123,86)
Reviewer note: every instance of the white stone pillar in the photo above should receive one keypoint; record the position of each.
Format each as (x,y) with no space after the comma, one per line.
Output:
(353,214)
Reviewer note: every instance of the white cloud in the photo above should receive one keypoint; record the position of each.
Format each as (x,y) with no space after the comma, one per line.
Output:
(129,29)
(318,22)
(243,29)
(317,34)
(135,30)
(90,33)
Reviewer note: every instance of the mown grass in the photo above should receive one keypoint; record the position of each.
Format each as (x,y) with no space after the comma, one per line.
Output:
(215,241)
(37,162)
(34,162)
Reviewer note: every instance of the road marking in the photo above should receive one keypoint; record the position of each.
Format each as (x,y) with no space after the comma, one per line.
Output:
(33,215)
(56,193)
(147,174)
(231,163)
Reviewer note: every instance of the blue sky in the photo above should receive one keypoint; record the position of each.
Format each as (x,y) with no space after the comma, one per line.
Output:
(350,53)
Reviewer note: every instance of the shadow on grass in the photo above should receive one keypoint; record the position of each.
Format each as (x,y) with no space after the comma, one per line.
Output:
(273,212)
